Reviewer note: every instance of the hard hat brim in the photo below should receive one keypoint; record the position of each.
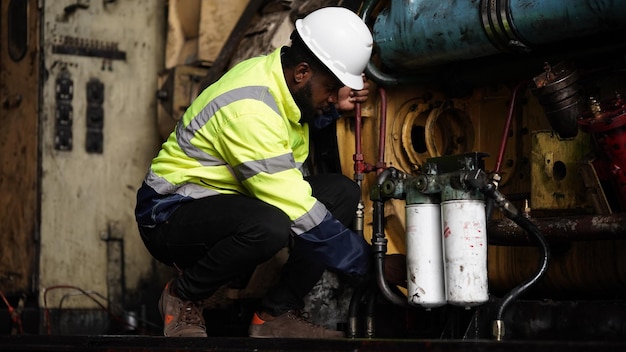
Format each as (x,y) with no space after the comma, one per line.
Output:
(352,81)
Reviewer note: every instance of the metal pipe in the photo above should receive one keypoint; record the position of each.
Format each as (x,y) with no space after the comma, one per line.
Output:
(379,245)
(380,274)
(503,143)
(378,76)
(493,31)
(353,312)
(370,321)
(507,126)
(358,169)
(422,33)
(561,229)
(382,131)
(358,154)
(359,216)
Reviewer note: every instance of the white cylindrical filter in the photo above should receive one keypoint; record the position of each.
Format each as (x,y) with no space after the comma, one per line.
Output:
(465,252)
(424,257)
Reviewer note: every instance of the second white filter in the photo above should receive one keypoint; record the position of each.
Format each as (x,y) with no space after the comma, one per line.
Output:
(465,252)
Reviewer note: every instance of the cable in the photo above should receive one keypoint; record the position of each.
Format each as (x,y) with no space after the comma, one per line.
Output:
(90,295)
(543,268)
(507,126)
(80,294)
(479,180)
(15,316)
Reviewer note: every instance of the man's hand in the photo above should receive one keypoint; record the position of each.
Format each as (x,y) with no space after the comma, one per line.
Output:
(347,97)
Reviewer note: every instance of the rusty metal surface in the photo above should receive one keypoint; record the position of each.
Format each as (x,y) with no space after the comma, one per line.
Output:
(141,343)
(19,145)
(586,256)
(573,228)
(555,181)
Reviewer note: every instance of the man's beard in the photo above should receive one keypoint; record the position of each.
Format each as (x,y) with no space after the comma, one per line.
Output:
(302,97)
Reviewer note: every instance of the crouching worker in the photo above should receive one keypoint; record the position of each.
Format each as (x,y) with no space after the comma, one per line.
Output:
(226,191)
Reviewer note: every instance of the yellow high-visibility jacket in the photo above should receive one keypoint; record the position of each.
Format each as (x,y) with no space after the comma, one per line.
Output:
(243,135)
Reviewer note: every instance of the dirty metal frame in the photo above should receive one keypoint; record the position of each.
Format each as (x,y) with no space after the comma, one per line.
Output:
(143,343)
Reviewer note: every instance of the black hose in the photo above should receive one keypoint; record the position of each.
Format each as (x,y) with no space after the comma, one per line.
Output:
(353,312)
(370,323)
(382,283)
(478,179)
(379,242)
(509,210)
(527,225)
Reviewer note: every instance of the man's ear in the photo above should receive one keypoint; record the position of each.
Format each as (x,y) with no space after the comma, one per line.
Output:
(302,73)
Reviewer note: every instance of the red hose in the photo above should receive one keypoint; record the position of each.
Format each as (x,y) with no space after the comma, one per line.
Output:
(380,165)
(359,165)
(507,126)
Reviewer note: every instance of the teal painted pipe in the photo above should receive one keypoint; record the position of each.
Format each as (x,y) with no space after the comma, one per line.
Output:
(412,34)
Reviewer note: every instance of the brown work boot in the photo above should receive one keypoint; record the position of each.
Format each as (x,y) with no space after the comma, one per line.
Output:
(290,325)
(180,318)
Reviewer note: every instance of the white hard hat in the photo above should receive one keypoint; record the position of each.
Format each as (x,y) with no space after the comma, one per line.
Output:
(340,40)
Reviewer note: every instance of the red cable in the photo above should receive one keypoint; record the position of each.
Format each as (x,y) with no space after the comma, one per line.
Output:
(380,166)
(507,125)
(358,154)
(15,317)
(357,127)
(359,165)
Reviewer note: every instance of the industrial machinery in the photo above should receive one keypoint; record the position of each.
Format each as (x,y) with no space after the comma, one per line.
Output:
(483,106)
(447,234)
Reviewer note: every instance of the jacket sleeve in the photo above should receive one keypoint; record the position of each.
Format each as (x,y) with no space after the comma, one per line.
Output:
(337,246)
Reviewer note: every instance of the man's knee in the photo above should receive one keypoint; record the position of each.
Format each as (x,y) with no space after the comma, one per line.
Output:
(271,233)
(348,192)
(352,189)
